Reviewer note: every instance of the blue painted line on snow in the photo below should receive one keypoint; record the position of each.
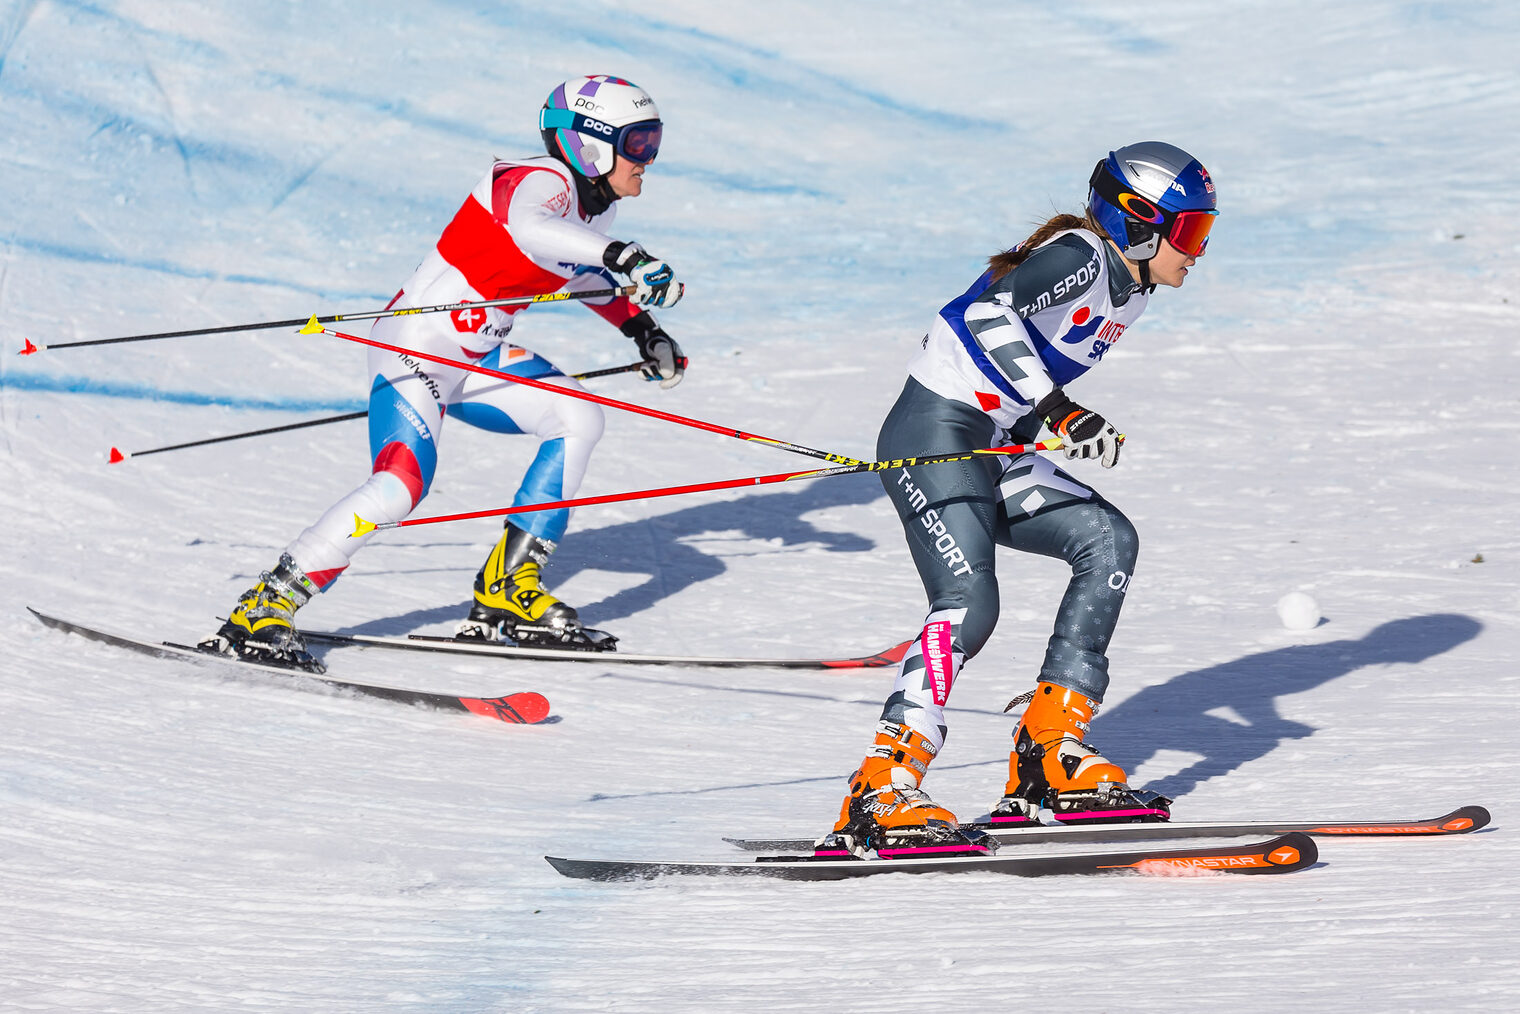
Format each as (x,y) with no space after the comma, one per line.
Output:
(141,392)
(936,117)
(624,36)
(186,44)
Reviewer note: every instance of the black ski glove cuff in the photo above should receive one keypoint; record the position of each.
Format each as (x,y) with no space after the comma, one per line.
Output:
(1055,408)
(1068,420)
(624,257)
(641,327)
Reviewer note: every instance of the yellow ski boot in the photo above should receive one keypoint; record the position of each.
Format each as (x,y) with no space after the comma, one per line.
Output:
(512,604)
(262,627)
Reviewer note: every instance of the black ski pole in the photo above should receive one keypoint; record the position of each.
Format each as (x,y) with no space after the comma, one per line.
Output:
(547,297)
(117,456)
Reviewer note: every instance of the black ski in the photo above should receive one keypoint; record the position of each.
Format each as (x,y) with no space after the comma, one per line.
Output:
(1458,821)
(525,708)
(1283,854)
(428,642)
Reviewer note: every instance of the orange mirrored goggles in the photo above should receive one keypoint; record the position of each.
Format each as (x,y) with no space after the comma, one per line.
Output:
(1190,231)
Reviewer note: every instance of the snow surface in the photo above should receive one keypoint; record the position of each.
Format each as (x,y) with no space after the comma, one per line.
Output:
(1328,406)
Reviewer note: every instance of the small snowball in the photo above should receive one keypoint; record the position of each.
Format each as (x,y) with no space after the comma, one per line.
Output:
(1298,611)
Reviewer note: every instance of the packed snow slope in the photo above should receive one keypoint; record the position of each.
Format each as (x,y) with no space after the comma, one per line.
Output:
(1329,405)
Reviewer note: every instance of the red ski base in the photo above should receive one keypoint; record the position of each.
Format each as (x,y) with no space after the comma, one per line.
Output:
(518,709)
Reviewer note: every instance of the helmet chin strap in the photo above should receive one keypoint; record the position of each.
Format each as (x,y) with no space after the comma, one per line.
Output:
(594,195)
(1153,244)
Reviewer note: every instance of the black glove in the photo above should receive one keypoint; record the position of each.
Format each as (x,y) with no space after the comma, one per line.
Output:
(1083,433)
(663,360)
(654,281)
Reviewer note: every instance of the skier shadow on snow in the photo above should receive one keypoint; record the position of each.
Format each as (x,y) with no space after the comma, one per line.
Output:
(657,548)
(1175,715)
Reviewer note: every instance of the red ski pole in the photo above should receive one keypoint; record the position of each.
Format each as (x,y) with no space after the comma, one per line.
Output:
(314,326)
(363,527)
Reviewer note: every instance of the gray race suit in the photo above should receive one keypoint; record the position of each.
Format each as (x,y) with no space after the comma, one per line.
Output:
(992,354)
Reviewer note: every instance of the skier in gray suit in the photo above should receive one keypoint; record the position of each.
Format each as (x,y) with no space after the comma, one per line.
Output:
(994,367)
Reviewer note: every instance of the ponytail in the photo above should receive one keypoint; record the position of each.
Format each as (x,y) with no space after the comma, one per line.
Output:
(1006,261)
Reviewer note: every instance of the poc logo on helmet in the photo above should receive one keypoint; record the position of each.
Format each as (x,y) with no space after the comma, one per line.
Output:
(598,126)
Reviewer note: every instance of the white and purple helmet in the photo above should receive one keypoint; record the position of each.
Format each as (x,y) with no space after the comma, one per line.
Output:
(586,121)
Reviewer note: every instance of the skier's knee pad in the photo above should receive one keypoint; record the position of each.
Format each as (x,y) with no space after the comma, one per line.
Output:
(413,473)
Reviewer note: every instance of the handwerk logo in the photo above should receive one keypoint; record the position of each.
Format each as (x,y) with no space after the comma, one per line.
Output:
(939,662)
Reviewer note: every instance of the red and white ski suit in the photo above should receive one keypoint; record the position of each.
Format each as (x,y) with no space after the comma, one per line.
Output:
(520,232)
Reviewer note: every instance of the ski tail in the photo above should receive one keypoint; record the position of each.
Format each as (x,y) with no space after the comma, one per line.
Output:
(880,660)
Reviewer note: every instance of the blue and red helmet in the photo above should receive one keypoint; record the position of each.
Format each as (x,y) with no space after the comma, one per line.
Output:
(587,121)
(1144,192)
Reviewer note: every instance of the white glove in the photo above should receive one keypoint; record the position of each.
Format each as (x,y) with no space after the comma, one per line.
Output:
(653,280)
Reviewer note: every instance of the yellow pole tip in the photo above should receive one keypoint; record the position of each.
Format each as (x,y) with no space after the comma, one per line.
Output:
(361,527)
(312,327)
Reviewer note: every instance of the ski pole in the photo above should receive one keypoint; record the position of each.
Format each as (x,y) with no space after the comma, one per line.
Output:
(314,326)
(547,297)
(363,527)
(118,456)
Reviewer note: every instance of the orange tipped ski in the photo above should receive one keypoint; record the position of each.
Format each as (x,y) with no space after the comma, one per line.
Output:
(1281,855)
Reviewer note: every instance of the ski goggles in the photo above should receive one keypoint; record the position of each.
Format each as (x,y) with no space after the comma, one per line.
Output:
(1189,231)
(640,142)
(637,142)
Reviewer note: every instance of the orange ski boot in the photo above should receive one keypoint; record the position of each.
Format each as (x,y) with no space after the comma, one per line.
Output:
(1052,767)
(886,812)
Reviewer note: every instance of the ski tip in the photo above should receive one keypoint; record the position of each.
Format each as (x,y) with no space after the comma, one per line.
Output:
(1284,854)
(362,527)
(1465,819)
(312,326)
(117,457)
(515,709)
(30,349)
